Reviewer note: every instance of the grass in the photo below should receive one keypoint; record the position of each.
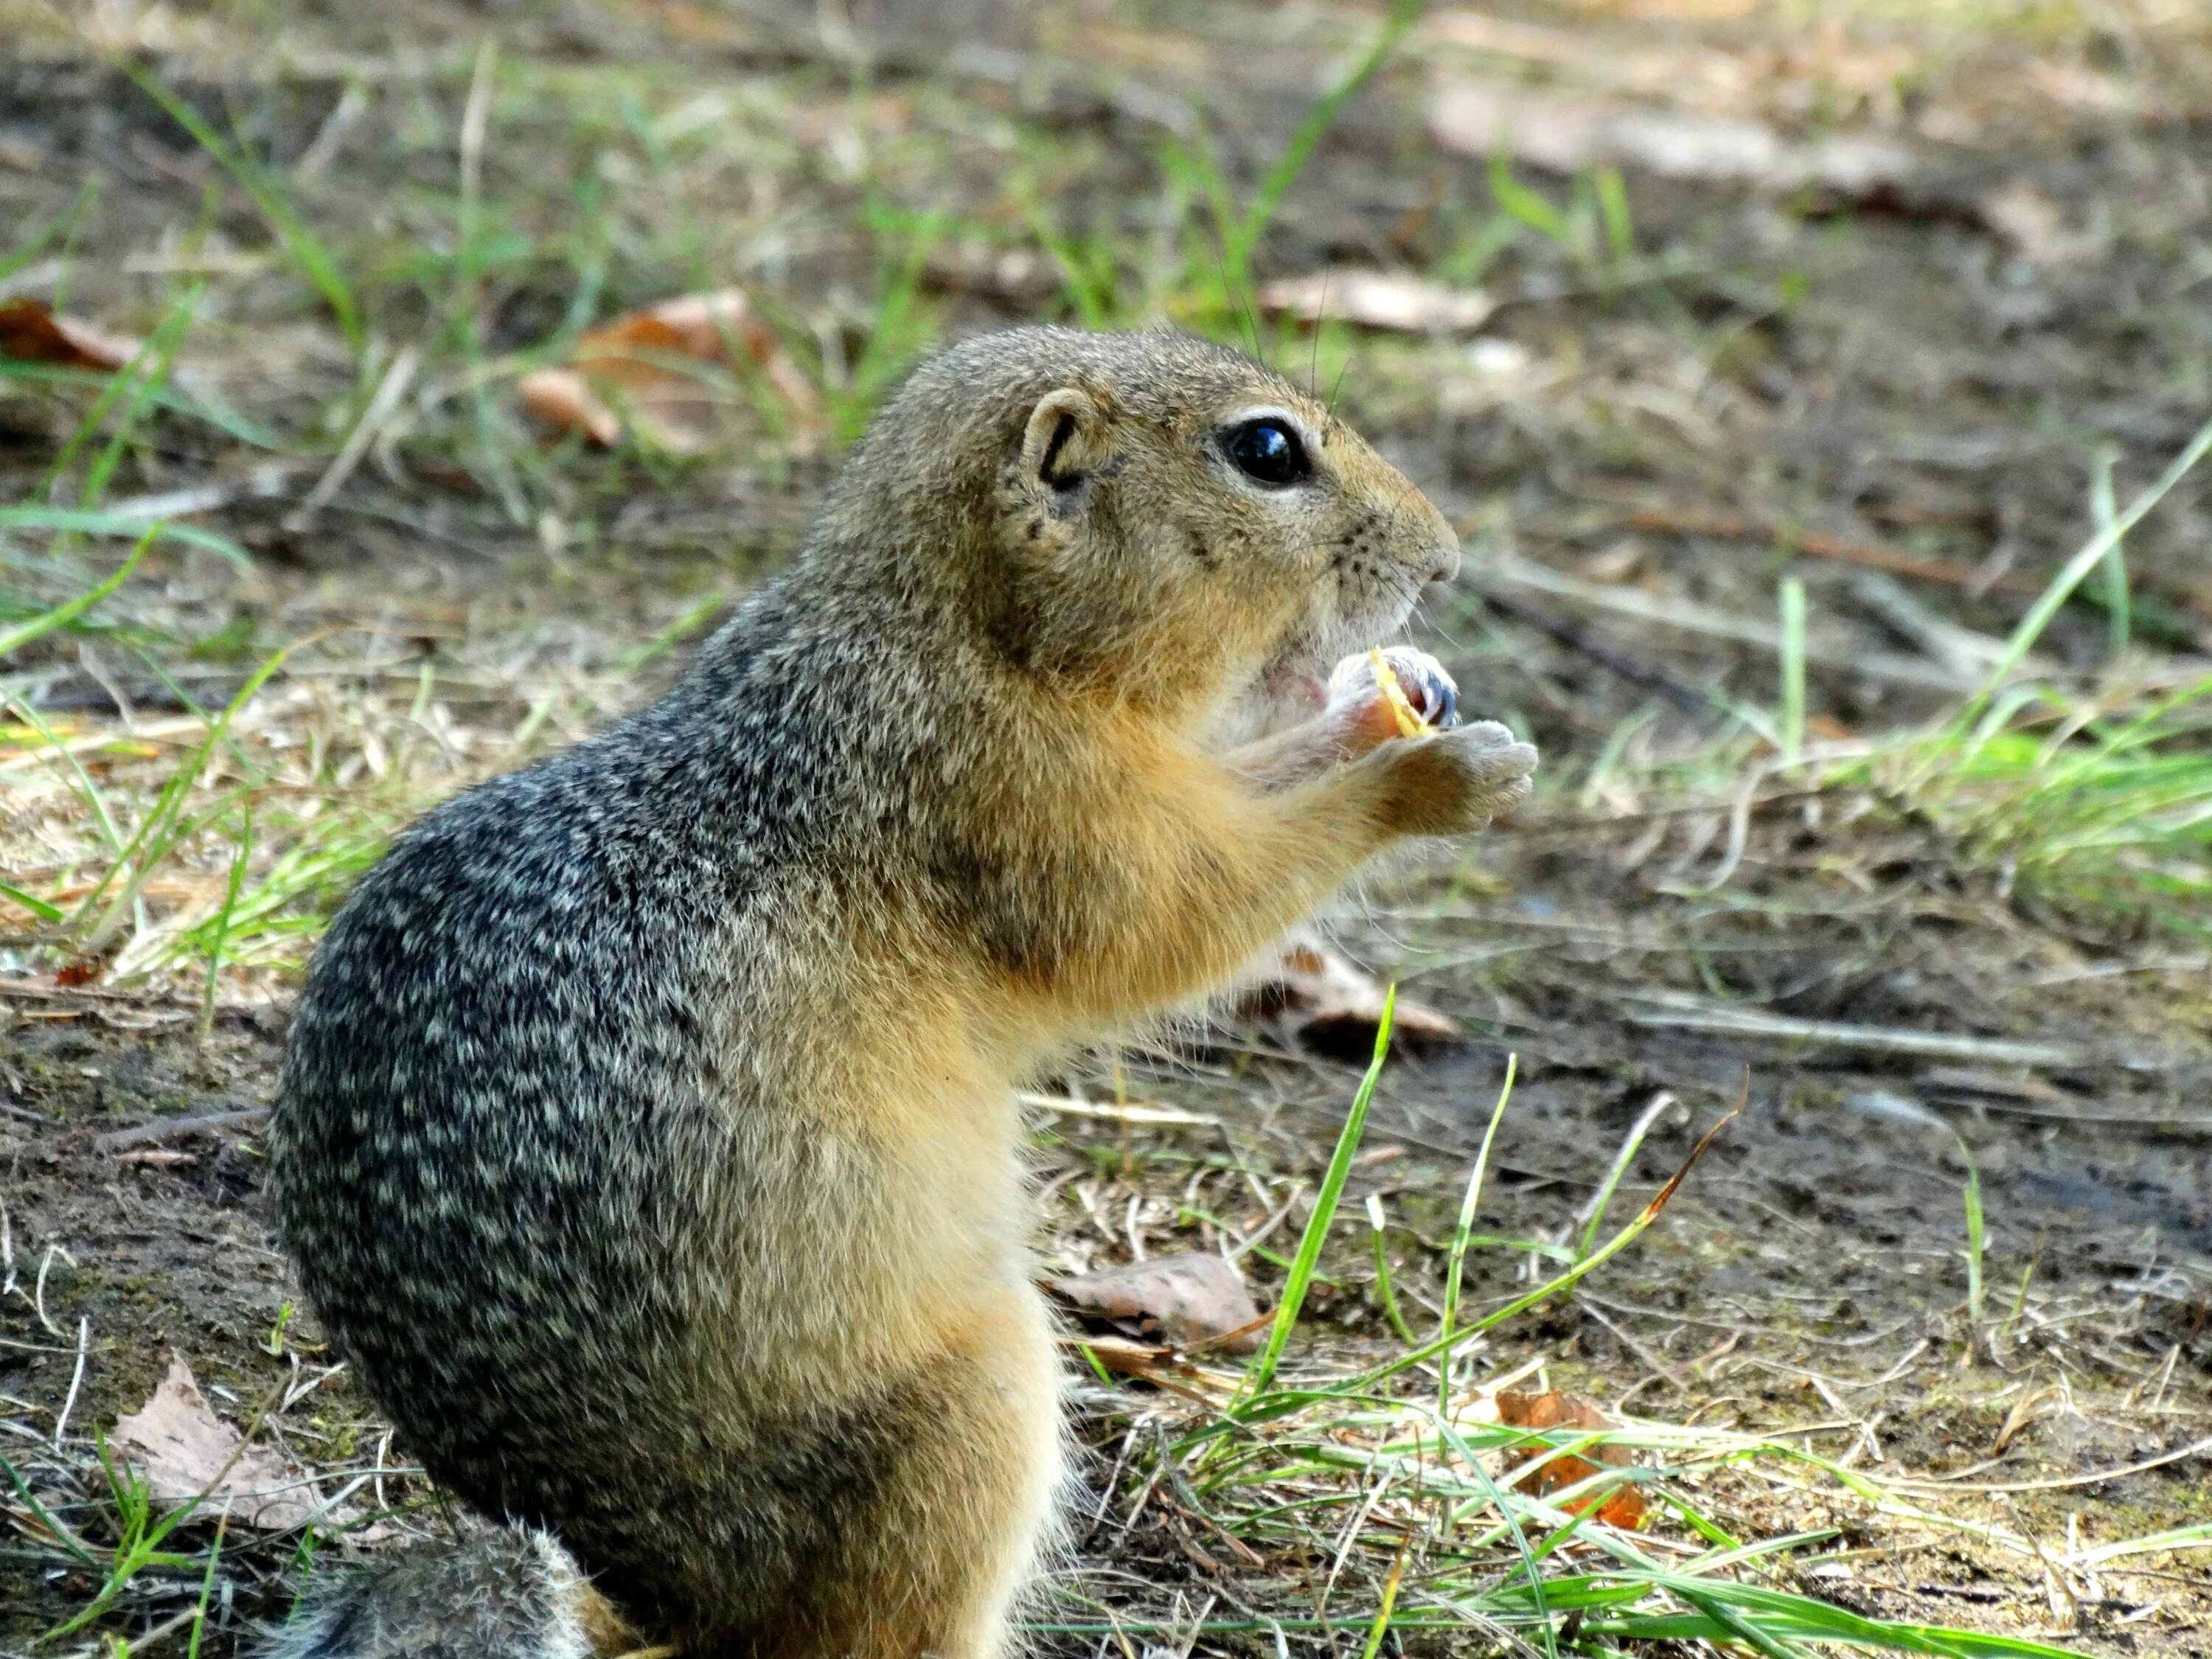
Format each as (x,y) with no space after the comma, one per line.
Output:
(1450,1530)
(2115,812)
(306,857)
(2102,799)
(2092,795)
(194,856)
(1439,1518)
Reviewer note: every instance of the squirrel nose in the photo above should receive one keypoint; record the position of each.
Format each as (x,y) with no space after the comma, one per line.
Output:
(1444,564)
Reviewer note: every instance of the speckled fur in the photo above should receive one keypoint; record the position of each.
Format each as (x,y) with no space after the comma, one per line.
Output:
(647,1136)
(514,1591)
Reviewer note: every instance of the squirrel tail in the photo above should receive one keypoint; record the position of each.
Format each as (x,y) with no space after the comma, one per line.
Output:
(511,1593)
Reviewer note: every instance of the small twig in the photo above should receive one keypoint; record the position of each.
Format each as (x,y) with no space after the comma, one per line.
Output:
(1500,566)
(1867,556)
(177,1128)
(1685,697)
(39,1293)
(1128,1112)
(1223,1338)
(269,478)
(76,1379)
(389,390)
(1675,1011)
(1245,1245)
(169,1626)
(2195,1449)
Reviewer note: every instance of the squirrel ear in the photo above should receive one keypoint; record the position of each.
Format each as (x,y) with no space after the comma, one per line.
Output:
(1065,439)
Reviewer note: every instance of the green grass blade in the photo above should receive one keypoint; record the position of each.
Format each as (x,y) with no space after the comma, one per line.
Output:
(1524,204)
(1532,1573)
(1976,1238)
(61,615)
(37,907)
(237,879)
(207,1584)
(163,397)
(1263,1371)
(89,523)
(136,379)
(307,250)
(1601,1201)
(1619,228)
(87,791)
(2103,510)
(1521,1304)
(62,224)
(1380,1628)
(1461,1232)
(1267,199)
(1740,1628)
(1383,1290)
(160,832)
(2093,552)
(68,1539)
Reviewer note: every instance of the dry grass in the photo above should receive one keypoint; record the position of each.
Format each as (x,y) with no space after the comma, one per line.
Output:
(1922,1345)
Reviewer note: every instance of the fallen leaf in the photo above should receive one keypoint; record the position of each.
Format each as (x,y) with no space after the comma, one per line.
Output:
(32,333)
(561,398)
(1565,134)
(183,1451)
(1190,1301)
(1313,995)
(1161,1367)
(1623,1506)
(2025,1411)
(1396,300)
(632,374)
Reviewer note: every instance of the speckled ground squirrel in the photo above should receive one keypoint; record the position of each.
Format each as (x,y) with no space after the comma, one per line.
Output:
(647,1135)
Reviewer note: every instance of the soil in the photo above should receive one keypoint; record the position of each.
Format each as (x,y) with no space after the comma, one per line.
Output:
(1921,369)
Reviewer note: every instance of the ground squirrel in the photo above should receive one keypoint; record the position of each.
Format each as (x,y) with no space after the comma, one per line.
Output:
(648,1134)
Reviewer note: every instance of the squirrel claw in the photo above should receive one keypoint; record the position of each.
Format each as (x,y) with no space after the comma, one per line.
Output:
(1430,690)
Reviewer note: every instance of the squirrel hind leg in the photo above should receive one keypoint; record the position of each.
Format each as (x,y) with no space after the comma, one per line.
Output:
(509,1593)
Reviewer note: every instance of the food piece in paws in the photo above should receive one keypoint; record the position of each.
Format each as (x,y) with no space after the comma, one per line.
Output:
(1399,693)
(1410,723)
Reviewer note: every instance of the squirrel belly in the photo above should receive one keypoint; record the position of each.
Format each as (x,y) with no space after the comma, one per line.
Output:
(648,1134)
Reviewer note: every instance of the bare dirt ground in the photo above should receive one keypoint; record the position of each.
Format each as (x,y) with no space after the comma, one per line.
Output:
(1872,299)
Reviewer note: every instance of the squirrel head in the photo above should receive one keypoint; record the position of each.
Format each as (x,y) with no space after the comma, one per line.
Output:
(1150,517)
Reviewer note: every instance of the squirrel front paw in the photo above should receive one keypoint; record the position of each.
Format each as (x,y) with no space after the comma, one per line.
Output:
(1453,782)
(1365,713)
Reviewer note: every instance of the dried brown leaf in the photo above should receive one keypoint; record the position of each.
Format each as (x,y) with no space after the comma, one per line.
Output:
(631,374)
(185,1451)
(1189,1301)
(1315,996)
(32,333)
(561,398)
(1622,1507)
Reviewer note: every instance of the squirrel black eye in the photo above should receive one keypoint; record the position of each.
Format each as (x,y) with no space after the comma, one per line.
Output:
(1268,451)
